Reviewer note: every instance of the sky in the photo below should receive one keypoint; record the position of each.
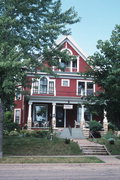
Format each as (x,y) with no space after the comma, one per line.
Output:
(98,19)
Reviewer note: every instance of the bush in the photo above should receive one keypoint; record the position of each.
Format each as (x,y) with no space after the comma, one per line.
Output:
(8,124)
(112,127)
(109,135)
(111,141)
(95,126)
(67,141)
(39,134)
(14,133)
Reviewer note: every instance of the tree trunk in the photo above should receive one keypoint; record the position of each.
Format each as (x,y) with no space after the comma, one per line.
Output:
(1,129)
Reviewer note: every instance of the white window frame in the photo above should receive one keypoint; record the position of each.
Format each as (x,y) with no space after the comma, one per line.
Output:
(62,82)
(85,81)
(17,109)
(16,99)
(48,80)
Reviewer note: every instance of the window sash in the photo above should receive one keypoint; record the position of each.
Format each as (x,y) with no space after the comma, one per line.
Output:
(17,116)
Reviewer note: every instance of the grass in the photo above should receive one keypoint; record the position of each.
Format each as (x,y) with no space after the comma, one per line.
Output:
(26,146)
(114,149)
(50,160)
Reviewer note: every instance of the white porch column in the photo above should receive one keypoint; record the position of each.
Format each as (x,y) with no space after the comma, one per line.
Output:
(29,123)
(105,122)
(82,122)
(53,115)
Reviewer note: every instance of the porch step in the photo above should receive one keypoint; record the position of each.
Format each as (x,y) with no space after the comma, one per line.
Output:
(86,133)
(71,133)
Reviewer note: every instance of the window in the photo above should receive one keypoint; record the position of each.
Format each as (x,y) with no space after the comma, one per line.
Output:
(81,88)
(65,82)
(43,85)
(85,88)
(40,113)
(35,86)
(18,94)
(74,63)
(17,116)
(51,87)
(89,88)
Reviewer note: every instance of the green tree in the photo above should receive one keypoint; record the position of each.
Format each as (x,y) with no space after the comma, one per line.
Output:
(106,73)
(28,31)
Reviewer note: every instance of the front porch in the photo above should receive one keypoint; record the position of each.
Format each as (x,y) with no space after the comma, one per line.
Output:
(59,113)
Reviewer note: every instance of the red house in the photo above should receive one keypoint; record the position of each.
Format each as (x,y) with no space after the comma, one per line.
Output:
(58,101)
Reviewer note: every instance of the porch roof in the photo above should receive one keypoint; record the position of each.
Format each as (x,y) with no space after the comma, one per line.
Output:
(57,99)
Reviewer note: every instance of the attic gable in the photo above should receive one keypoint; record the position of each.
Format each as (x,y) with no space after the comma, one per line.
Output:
(73,44)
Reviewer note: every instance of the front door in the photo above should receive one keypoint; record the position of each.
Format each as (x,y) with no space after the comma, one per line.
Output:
(59,116)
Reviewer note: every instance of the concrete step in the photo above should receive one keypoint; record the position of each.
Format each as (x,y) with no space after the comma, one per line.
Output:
(94,150)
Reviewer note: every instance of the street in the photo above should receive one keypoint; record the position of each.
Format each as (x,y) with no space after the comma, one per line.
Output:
(59,171)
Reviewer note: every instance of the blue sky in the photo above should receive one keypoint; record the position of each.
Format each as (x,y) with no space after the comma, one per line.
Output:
(98,19)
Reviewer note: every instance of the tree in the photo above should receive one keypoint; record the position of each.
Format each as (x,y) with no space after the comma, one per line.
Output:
(106,73)
(28,31)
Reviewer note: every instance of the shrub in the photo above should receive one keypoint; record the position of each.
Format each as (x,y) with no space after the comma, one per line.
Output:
(14,133)
(95,126)
(67,141)
(8,124)
(112,127)
(39,134)
(111,141)
(109,135)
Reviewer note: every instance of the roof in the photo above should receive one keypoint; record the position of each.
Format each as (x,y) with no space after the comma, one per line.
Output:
(73,44)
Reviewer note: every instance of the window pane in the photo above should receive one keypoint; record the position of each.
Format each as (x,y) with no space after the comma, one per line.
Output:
(35,86)
(40,116)
(81,88)
(43,85)
(89,88)
(51,87)
(75,64)
(17,116)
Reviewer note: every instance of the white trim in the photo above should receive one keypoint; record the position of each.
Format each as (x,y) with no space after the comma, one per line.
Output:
(78,63)
(17,109)
(19,94)
(71,53)
(73,44)
(68,80)
(53,80)
(48,80)
(85,81)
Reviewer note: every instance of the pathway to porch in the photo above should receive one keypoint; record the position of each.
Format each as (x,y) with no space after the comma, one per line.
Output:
(91,148)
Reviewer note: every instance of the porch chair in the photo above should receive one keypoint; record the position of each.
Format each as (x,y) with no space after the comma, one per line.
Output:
(77,124)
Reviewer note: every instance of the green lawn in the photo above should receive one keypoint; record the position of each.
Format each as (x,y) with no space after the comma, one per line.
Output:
(38,146)
(50,160)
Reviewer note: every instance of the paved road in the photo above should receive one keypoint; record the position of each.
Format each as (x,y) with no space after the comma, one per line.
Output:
(60,172)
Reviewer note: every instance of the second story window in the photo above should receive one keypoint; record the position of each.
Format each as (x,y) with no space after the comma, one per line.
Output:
(81,88)
(65,82)
(85,88)
(43,85)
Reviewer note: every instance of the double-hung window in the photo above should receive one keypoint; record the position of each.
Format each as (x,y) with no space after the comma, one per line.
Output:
(43,85)
(17,116)
(85,88)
